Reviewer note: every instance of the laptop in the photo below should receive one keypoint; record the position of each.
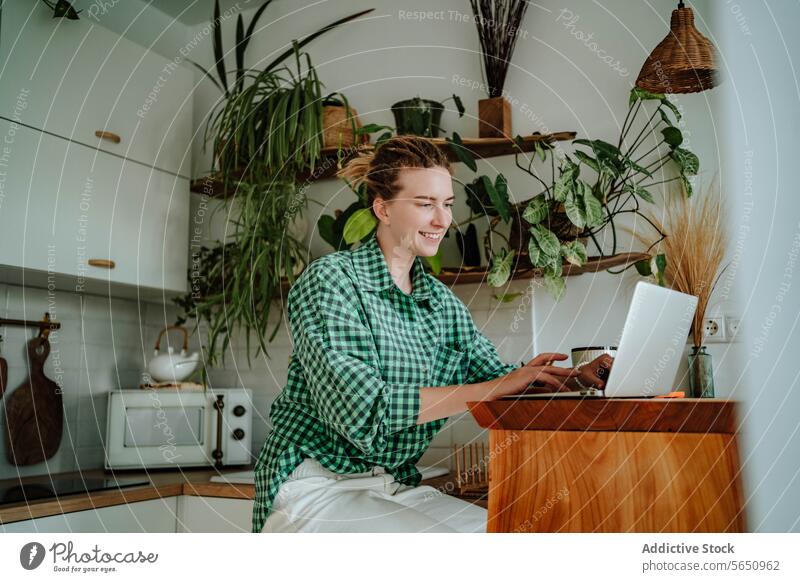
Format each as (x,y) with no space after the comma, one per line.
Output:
(650,350)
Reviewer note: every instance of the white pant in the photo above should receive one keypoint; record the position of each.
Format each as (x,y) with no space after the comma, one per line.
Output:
(314,499)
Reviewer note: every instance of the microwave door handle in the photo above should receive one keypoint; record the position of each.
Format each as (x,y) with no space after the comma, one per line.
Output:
(217,453)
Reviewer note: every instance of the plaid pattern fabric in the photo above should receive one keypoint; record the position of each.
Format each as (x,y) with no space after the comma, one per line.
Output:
(362,351)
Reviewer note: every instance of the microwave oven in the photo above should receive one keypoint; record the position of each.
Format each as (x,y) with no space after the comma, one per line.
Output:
(170,427)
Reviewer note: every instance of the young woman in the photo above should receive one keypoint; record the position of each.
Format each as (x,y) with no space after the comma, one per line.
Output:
(383,354)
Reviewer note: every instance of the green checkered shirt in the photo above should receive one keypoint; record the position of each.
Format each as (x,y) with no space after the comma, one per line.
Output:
(362,351)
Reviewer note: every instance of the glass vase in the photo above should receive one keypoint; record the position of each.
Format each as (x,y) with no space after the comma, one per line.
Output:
(701,373)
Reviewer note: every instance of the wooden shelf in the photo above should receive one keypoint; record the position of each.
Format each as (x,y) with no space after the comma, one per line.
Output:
(469,275)
(482,148)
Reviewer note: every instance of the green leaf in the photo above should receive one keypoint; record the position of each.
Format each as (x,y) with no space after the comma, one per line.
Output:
(688,162)
(463,154)
(563,186)
(360,224)
(507,297)
(535,254)
(537,210)
(664,117)
(639,191)
(556,286)
(593,209)
(498,194)
(327,230)
(633,165)
(575,253)
(687,185)
(588,160)
(459,105)
(661,265)
(547,240)
(519,141)
(672,136)
(500,270)
(436,261)
(643,267)
(575,209)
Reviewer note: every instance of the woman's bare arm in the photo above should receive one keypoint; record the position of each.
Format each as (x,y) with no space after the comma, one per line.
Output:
(442,401)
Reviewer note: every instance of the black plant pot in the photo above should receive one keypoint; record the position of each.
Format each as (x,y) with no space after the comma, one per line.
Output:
(468,246)
(418,116)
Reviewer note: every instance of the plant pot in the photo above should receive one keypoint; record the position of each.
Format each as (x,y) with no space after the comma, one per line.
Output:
(520,234)
(418,116)
(337,130)
(494,117)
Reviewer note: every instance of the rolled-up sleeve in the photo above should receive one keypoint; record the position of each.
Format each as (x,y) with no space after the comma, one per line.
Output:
(484,362)
(340,362)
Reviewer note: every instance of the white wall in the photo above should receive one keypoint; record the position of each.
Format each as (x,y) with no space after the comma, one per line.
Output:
(758,112)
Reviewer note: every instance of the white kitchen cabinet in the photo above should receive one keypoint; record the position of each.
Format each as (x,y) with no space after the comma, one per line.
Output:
(152,516)
(63,205)
(214,515)
(74,78)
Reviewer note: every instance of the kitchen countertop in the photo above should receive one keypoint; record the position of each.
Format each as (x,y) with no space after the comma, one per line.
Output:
(163,483)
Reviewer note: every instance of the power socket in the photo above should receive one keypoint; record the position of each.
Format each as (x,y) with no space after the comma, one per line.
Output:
(714,329)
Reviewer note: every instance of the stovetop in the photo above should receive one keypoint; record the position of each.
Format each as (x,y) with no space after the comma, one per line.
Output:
(53,487)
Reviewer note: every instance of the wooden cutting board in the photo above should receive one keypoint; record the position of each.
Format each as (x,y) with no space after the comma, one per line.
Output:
(34,412)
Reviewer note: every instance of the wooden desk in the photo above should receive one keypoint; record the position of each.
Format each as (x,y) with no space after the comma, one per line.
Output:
(612,465)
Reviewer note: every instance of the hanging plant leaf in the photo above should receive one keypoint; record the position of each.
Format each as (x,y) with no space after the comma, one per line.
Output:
(588,160)
(507,297)
(672,136)
(575,209)
(459,105)
(500,270)
(661,265)
(498,195)
(463,154)
(641,94)
(686,160)
(555,285)
(643,267)
(536,210)
(547,240)
(675,111)
(574,252)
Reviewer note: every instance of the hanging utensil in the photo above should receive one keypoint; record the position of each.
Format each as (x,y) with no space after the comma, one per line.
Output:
(35,410)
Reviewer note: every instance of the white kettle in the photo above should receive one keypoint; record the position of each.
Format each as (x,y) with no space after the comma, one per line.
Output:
(170,367)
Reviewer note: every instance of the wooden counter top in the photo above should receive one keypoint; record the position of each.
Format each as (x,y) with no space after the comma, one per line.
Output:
(163,483)
(689,415)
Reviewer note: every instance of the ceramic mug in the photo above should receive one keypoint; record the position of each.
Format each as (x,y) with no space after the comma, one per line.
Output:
(587,354)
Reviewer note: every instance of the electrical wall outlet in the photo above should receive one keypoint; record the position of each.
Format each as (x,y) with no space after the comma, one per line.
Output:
(714,329)
(732,327)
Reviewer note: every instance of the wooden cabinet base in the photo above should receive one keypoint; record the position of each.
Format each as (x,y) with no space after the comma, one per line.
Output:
(608,481)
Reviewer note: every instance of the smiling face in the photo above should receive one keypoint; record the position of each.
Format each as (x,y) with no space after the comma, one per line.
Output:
(421,211)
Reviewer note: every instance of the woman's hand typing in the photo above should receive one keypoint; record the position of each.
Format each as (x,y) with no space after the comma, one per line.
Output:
(539,371)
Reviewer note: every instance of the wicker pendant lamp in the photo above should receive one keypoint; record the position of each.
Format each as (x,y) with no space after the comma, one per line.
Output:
(683,62)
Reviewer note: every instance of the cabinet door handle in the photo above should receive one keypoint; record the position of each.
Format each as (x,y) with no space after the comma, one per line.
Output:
(105,263)
(108,135)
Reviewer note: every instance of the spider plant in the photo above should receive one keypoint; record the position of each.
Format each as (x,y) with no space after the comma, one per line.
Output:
(243,36)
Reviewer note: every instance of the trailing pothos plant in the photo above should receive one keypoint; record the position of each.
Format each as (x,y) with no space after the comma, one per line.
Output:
(620,178)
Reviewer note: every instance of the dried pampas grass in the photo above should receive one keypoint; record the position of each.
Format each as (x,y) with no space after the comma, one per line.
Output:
(694,246)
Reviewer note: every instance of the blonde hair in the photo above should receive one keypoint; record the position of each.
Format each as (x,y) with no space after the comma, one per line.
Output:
(378,169)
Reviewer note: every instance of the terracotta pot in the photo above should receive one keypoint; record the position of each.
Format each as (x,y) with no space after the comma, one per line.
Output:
(336,129)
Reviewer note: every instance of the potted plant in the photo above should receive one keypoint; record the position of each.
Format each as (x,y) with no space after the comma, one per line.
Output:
(498,25)
(422,117)
(255,131)
(573,208)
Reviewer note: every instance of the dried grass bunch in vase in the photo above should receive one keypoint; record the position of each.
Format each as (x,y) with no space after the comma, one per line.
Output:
(694,247)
